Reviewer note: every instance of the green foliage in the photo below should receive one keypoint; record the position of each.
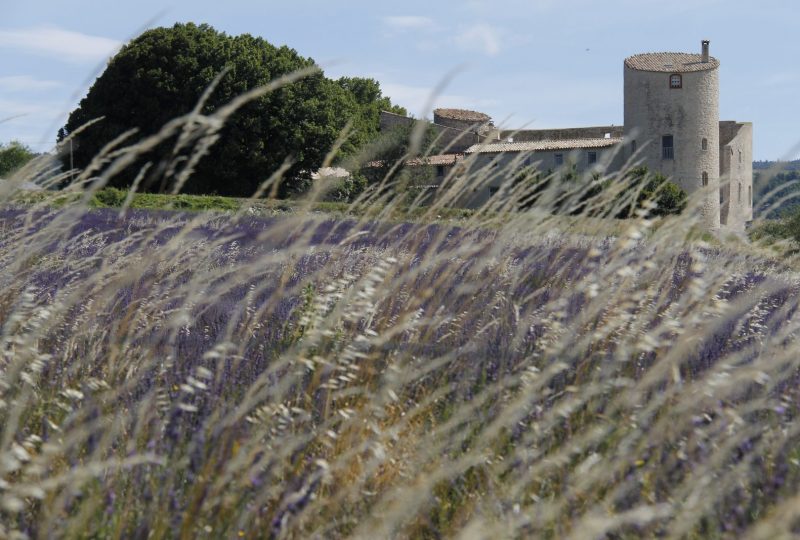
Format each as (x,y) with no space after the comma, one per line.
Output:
(13,156)
(114,198)
(163,73)
(778,194)
(367,100)
(394,146)
(347,189)
(669,198)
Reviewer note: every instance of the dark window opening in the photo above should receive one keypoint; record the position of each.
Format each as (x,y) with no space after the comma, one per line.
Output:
(667,149)
(740,193)
(740,156)
(675,81)
(493,190)
(592,157)
(440,170)
(633,147)
(705,144)
(705,179)
(559,159)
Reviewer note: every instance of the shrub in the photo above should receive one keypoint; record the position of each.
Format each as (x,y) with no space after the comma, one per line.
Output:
(13,156)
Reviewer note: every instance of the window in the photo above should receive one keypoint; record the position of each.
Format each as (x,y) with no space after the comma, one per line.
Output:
(633,147)
(705,144)
(559,159)
(740,193)
(750,194)
(740,156)
(493,190)
(440,170)
(667,150)
(592,157)
(705,178)
(675,81)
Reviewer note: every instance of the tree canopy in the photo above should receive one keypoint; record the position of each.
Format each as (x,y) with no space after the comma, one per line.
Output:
(163,73)
(13,156)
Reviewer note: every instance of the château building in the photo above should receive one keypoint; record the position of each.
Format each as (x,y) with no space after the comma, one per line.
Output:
(671,125)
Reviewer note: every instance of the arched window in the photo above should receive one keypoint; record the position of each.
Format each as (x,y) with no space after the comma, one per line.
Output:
(705,178)
(675,81)
(704,144)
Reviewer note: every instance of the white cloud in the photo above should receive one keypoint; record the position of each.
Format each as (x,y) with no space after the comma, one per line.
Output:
(59,43)
(480,38)
(33,123)
(409,22)
(26,83)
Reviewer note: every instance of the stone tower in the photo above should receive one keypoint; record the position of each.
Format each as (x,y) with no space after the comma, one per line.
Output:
(672,120)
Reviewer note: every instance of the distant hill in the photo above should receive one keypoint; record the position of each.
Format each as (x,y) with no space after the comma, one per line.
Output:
(782,165)
(782,177)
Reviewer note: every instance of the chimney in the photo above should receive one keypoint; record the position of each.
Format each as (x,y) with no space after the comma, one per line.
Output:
(706,43)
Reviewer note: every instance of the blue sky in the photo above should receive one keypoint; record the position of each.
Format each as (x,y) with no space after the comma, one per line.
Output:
(535,63)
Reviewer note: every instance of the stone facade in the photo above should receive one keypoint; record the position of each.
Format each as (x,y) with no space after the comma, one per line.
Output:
(736,174)
(485,163)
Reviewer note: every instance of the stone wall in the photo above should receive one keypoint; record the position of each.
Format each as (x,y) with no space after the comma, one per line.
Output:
(532,135)
(492,170)
(450,140)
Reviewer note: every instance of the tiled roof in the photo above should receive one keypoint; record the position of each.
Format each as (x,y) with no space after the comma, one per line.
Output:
(463,114)
(670,62)
(537,146)
(443,159)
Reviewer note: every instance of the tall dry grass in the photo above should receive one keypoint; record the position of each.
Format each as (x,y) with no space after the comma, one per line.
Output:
(170,375)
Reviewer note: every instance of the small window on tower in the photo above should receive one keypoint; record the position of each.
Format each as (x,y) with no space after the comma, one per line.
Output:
(705,144)
(592,157)
(705,179)
(740,193)
(675,81)
(740,156)
(667,148)
(559,159)
(633,147)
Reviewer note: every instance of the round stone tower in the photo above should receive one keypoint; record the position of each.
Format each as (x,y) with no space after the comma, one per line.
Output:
(672,120)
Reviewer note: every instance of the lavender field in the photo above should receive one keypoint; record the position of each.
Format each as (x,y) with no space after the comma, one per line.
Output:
(198,375)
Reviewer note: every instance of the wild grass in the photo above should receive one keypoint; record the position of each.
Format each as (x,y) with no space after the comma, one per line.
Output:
(206,375)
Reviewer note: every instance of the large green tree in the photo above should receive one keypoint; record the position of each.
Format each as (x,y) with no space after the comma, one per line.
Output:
(163,73)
